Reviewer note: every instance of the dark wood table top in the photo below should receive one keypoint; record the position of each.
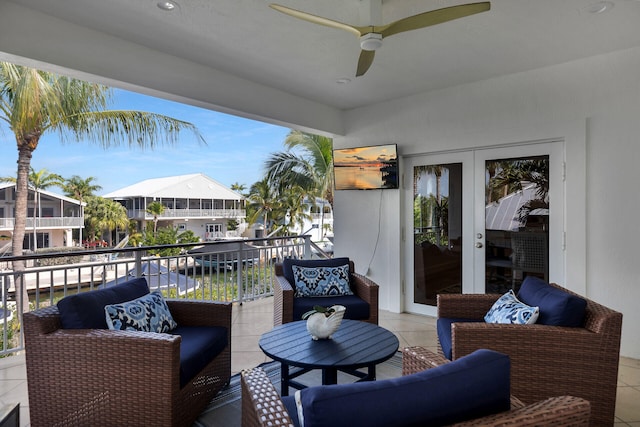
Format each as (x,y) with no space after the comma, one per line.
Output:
(355,344)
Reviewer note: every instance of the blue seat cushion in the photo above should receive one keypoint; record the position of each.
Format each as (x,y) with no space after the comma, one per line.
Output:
(199,346)
(357,308)
(288,263)
(86,310)
(471,387)
(443,326)
(557,307)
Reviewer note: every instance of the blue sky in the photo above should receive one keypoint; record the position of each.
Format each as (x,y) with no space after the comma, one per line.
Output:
(236,149)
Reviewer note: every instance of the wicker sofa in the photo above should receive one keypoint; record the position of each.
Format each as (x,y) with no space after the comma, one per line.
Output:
(262,406)
(546,360)
(102,377)
(288,308)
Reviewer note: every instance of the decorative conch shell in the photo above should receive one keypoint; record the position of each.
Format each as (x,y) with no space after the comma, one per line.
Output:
(321,326)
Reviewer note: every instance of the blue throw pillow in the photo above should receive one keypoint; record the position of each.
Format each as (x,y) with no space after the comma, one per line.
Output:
(321,281)
(288,263)
(507,309)
(470,387)
(148,313)
(557,307)
(86,310)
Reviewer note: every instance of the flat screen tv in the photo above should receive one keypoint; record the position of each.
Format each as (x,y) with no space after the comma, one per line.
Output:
(366,168)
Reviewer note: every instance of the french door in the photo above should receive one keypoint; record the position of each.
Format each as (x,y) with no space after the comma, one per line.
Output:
(481,221)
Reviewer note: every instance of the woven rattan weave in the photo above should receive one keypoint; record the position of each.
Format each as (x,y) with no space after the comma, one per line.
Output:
(96,377)
(262,406)
(283,295)
(546,360)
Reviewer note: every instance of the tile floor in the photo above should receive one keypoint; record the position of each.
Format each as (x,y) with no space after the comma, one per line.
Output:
(254,318)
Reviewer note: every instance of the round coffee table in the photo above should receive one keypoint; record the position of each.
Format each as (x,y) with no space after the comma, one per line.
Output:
(353,346)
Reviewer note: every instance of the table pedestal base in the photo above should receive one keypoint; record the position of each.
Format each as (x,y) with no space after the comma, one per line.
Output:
(329,376)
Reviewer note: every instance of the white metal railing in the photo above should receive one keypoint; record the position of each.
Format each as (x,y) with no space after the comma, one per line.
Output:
(46,222)
(324,216)
(229,270)
(189,213)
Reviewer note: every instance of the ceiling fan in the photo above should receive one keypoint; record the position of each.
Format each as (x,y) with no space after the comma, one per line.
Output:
(371,35)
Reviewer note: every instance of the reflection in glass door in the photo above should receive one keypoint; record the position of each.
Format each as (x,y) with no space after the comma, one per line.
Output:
(437,231)
(516,221)
(481,221)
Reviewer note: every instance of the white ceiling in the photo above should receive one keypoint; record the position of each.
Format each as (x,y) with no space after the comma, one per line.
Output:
(250,41)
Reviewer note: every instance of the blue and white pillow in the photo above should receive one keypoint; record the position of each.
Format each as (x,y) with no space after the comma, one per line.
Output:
(508,309)
(148,313)
(321,281)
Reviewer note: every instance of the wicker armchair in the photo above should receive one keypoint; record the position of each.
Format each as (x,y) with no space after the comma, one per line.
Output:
(283,292)
(546,360)
(102,377)
(262,406)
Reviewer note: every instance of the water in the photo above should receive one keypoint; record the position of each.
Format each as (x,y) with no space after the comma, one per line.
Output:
(358,177)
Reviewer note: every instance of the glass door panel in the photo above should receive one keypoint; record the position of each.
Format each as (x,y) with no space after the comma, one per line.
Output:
(516,221)
(437,231)
(441,188)
(519,215)
(481,221)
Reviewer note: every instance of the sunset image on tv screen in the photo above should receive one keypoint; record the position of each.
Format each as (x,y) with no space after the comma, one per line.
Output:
(366,168)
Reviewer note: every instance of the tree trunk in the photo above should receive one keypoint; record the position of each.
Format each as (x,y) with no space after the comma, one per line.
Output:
(20,224)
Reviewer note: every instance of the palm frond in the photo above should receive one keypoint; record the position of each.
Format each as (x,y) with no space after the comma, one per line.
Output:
(118,127)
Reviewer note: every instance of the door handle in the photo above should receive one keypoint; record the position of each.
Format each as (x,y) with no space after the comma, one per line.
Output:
(478,244)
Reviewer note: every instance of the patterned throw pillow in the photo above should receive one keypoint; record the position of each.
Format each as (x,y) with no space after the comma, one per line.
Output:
(148,313)
(508,309)
(321,281)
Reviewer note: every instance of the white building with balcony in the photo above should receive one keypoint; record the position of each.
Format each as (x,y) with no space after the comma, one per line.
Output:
(54,216)
(317,221)
(193,202)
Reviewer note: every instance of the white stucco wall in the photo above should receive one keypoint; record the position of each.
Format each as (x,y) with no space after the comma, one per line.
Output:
(594,104)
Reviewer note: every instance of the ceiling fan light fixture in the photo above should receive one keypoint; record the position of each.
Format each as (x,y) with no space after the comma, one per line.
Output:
(600,7)
(371,35)
(371,41)
(167,5)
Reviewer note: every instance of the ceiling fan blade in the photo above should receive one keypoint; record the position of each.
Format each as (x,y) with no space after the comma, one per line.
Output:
(432,17)
(365,61)
(318,19)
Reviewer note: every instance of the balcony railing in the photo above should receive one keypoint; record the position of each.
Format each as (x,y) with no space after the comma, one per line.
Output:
(189,213)
(325,216)
(237,271)
(49,222)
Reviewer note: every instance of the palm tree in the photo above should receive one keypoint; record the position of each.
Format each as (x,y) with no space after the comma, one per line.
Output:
(106,215)
(135,236)
(295,206)
(156,209)
(238,188)
(513,173)
(262,199)
(34,102)
(38,181)
(507,178)
(80,189)
(307,163)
